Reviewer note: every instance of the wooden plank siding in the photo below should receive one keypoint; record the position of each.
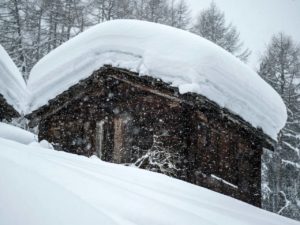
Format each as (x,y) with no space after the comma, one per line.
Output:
(7,112)
(150,125)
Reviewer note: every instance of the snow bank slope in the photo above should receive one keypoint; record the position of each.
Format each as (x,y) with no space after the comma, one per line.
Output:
(185,60)
(12,84)
(40,186)
(16,134)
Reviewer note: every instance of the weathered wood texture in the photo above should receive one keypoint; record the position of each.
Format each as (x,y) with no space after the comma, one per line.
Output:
(145,122)
(7,112)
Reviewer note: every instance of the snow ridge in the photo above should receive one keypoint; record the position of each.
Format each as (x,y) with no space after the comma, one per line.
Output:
(12,84)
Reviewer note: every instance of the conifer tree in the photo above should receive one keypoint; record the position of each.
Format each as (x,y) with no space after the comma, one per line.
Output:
(211,24)
(280,67)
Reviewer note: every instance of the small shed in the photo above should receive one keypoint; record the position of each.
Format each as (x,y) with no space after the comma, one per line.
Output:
(161,99)
(12,88)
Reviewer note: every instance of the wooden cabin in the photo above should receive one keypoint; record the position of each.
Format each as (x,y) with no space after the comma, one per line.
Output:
(7,112)
(141,121)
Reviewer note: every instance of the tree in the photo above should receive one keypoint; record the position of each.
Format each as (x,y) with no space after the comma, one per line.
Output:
(32,28)
(280,67)
(151,10)
(211,25)
(12,22)
(179,14)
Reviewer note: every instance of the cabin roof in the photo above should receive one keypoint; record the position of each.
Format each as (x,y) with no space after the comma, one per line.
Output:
(177,57)
(12,85)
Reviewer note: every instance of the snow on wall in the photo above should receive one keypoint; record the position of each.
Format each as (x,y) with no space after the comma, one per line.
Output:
(185,60)
(12,84)
(42,186)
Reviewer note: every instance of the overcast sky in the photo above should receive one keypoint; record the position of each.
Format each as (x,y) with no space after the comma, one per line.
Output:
(257,20)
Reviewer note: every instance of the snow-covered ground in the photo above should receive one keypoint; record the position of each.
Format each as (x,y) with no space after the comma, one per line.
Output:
(12,84)
(39,186)
(185,60)
(17,134)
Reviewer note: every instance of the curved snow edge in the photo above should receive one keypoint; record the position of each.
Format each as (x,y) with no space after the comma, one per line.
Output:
(185,60)
(12,84)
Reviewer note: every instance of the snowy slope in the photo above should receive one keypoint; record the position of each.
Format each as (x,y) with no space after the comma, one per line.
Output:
(12,84)
(17,134)
(41,186)
(185,60)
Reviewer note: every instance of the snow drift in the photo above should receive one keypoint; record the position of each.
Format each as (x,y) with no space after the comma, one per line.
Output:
(42,186)
(180,58)
(12,84)
(17,134)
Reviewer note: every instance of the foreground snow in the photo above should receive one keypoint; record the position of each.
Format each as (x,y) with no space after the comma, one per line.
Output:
(185,60)
(17,134)
(41,186)
(12,84)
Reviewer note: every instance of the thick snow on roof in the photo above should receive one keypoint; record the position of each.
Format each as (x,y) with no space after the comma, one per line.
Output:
(185,60)
(42,186)
(12,84)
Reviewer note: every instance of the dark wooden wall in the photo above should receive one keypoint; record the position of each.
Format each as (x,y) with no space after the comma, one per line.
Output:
(7,112)
(221,150)
(158,132)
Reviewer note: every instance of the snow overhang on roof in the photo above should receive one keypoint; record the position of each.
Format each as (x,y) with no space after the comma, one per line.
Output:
(187,61)
(12,84)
